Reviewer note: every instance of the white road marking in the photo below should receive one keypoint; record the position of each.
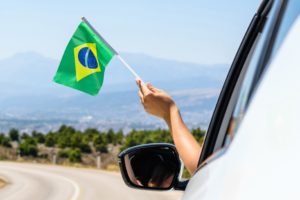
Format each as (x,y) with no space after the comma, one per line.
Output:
(61,183)
(76,187)
(76,194)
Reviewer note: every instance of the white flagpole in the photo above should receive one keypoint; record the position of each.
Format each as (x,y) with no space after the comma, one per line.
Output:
(128,67)
(113,50)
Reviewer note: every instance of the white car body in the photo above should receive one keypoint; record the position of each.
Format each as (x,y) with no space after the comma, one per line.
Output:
(262,161)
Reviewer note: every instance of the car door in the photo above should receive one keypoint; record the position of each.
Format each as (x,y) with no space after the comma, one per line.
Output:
(251,52)
(246,70)
(265,35)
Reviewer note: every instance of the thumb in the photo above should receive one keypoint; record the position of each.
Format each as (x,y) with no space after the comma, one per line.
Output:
(152,88)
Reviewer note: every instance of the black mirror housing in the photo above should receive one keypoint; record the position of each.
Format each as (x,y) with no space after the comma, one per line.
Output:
(154,166)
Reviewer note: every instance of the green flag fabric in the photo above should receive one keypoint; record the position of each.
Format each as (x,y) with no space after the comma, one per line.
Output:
(84,61)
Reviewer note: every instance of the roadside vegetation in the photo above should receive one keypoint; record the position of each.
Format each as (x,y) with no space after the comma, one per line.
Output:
(70,146)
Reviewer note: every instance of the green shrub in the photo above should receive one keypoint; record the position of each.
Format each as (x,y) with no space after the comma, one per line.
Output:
(5,141)
(85,148)
(75,155)
(39,137)
(14,134)
(28,147)
(102,148)
(24,136)
(50,140)
(63,153)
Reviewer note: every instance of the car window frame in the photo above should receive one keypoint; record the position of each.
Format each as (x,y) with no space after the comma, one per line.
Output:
(287,16)
(235,71)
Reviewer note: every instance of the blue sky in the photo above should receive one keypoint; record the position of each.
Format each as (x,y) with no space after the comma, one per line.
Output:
(199,31)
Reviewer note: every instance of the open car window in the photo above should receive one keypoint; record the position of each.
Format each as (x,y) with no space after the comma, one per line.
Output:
(242,78)
(246,87)
(255,70)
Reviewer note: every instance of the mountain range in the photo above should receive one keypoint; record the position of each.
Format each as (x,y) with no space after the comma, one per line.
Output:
(30,100)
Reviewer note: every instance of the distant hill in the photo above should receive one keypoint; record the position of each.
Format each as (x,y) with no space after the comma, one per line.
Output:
(29,99)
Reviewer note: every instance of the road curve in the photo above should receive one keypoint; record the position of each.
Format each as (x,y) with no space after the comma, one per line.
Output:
(47,182)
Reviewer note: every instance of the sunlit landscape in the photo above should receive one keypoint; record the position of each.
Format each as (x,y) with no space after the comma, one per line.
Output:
(61,143)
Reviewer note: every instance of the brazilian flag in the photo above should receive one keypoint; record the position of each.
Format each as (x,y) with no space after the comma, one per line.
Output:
(84,61)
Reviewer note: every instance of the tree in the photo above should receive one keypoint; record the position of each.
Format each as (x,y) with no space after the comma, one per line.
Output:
(28,147)
(85,148)
(75,155)
(134,138)
(102,148)
(66,130)
(63,153)
(63,141)
(75,140)
(198,134)
(110,136)
(5,141)
(39,137)
(90,133)
(14,134)
(119,137)
(50,140)
(100,143)
(24,136)
(63,136)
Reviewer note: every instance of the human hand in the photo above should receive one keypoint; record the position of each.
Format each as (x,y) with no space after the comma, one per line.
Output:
(155,101)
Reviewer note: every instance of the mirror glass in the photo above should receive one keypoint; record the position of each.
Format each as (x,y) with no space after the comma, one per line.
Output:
(152,167)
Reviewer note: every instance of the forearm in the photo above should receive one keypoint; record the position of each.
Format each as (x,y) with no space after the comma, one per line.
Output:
(187,147)
(159,103)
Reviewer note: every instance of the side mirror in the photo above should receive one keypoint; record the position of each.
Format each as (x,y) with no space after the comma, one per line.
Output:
(152,166)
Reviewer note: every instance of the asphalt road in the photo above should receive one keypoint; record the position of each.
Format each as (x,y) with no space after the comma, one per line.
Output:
(45,182)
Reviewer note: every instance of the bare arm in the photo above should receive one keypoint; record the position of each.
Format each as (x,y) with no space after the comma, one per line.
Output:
(187,146)
(160,104)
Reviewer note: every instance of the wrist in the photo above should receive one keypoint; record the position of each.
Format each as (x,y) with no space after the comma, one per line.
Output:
(173,109)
